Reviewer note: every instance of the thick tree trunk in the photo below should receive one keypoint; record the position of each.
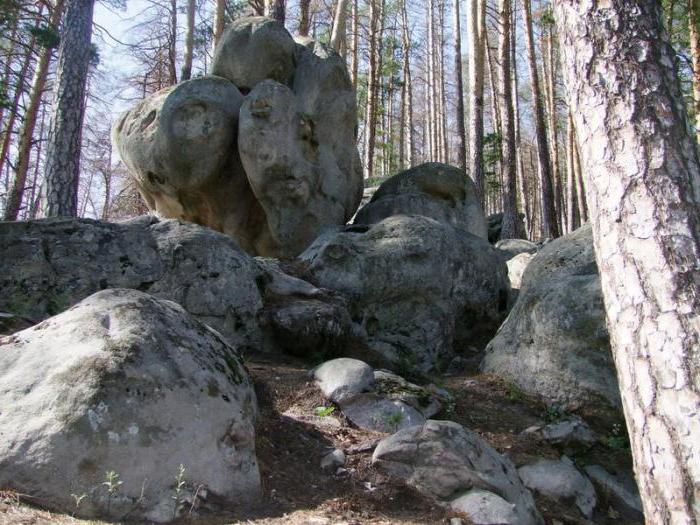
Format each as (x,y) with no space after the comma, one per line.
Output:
(219,20)
(461,130)
(694,23)
(26,138)
(508,157)
(338,33)
(477,27)
(186,72)
(63,148)
(643,189)
(548,219)
(304,18)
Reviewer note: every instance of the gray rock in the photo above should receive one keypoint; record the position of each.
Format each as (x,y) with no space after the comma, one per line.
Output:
(273,170)
(434,190)
(442,459)
(428,400)
(128,383)
(344,378)
(415,285)
(619,491)
(572,433)
(49,265)
(560,481)
(509,248)
(375,412)
(486,508)
(253,49)
(554,343)
(516,268)
(332,461)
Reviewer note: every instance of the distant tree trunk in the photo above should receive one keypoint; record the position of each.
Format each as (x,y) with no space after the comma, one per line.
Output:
(276,9)
(304,19)
(186,72)
(580,188)
(65,131)
(172,44)
(26,137)
(461,129)
(548,222)
(219,20)
(354,58)
(7,71)
(476,21)
(431,91)
(509,228)
(694,21)
(571,222)
(496,116)
(522,186)
(406,157)
(643,188)
(549,73)
(338,33)
(375,13)
(442,101)
(34,199)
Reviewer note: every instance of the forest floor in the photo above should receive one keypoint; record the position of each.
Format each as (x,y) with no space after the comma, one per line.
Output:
(297,491)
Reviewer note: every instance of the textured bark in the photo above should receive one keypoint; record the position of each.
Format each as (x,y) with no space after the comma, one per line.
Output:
(442,101)
(219,20)
(548,217)
(643,189)
(406,154)
(694,26)
(496,116)
(172,45)
(186,72)
(338,33)
(461,129)
(522,185)
(580,188)
(304,18)
(355,60)
(26,138)
(430,94)
(63,149)
(571,215)
(508,157)
(550,73)
(476,21)
(276,9)
(375,16)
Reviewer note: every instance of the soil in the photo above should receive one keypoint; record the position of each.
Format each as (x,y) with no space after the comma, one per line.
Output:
(297,491)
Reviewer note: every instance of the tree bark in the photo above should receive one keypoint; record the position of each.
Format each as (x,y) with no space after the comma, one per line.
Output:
(65,131)
(375,15)
(548,67)
(476,21)
(694,26)
(522,185)
(219,20)
(26,138)
(186,72)
(172,45)
(338,33)
(643,190)
(276,9)
(548,220)
(304,18)
(571,216)
(355,59)
(461,129)
(406,94)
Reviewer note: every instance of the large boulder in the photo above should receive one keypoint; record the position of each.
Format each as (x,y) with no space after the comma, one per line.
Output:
(103,404)
(418,287)
(444,460)
(435,190)
(48,265)
(554,343)
(273,169)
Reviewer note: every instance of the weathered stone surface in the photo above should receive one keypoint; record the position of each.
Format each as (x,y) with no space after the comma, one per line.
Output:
(415,285)
(428,400)
(50,264)
(516,268)
(509,248)
(619,491)
(486,508)
(554,343)
(443,460)
(560,481)
(435,190)
(572,433)
(376,412)
(128,383)
(344,378)
(274,169)
(253,49)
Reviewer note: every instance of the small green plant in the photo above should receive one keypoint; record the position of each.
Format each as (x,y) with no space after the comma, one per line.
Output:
(392,421)
(552,414)
(513,393)
(324,411)
(112,482)
(179,486)
(617,439)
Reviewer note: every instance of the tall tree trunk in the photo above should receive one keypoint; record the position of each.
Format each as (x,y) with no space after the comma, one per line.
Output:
(431,95)
(571,223)
(338,33)
(461,129)
(355,57)
(7,71)
(522,186)
(304,18)
(407,93)
(580,188)
(186,72)
(643,188)
(172,45)
(509,228)
(442,101)
(548,220)
(65,131)
(496,116)
(219,20)
(375,14)
(549,69)
(34,199)
(477,27)
(694,22)
(26,138)
(276,9)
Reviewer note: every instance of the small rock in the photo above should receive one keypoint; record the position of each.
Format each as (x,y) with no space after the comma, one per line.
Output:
(559,480)
(620,491)
(342,379)
(333,460)
(374,412)
(485,508)
(456,521)
(571,433)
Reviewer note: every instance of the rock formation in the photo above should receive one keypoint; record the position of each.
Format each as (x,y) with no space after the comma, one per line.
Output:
(264,150)
(133,385)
